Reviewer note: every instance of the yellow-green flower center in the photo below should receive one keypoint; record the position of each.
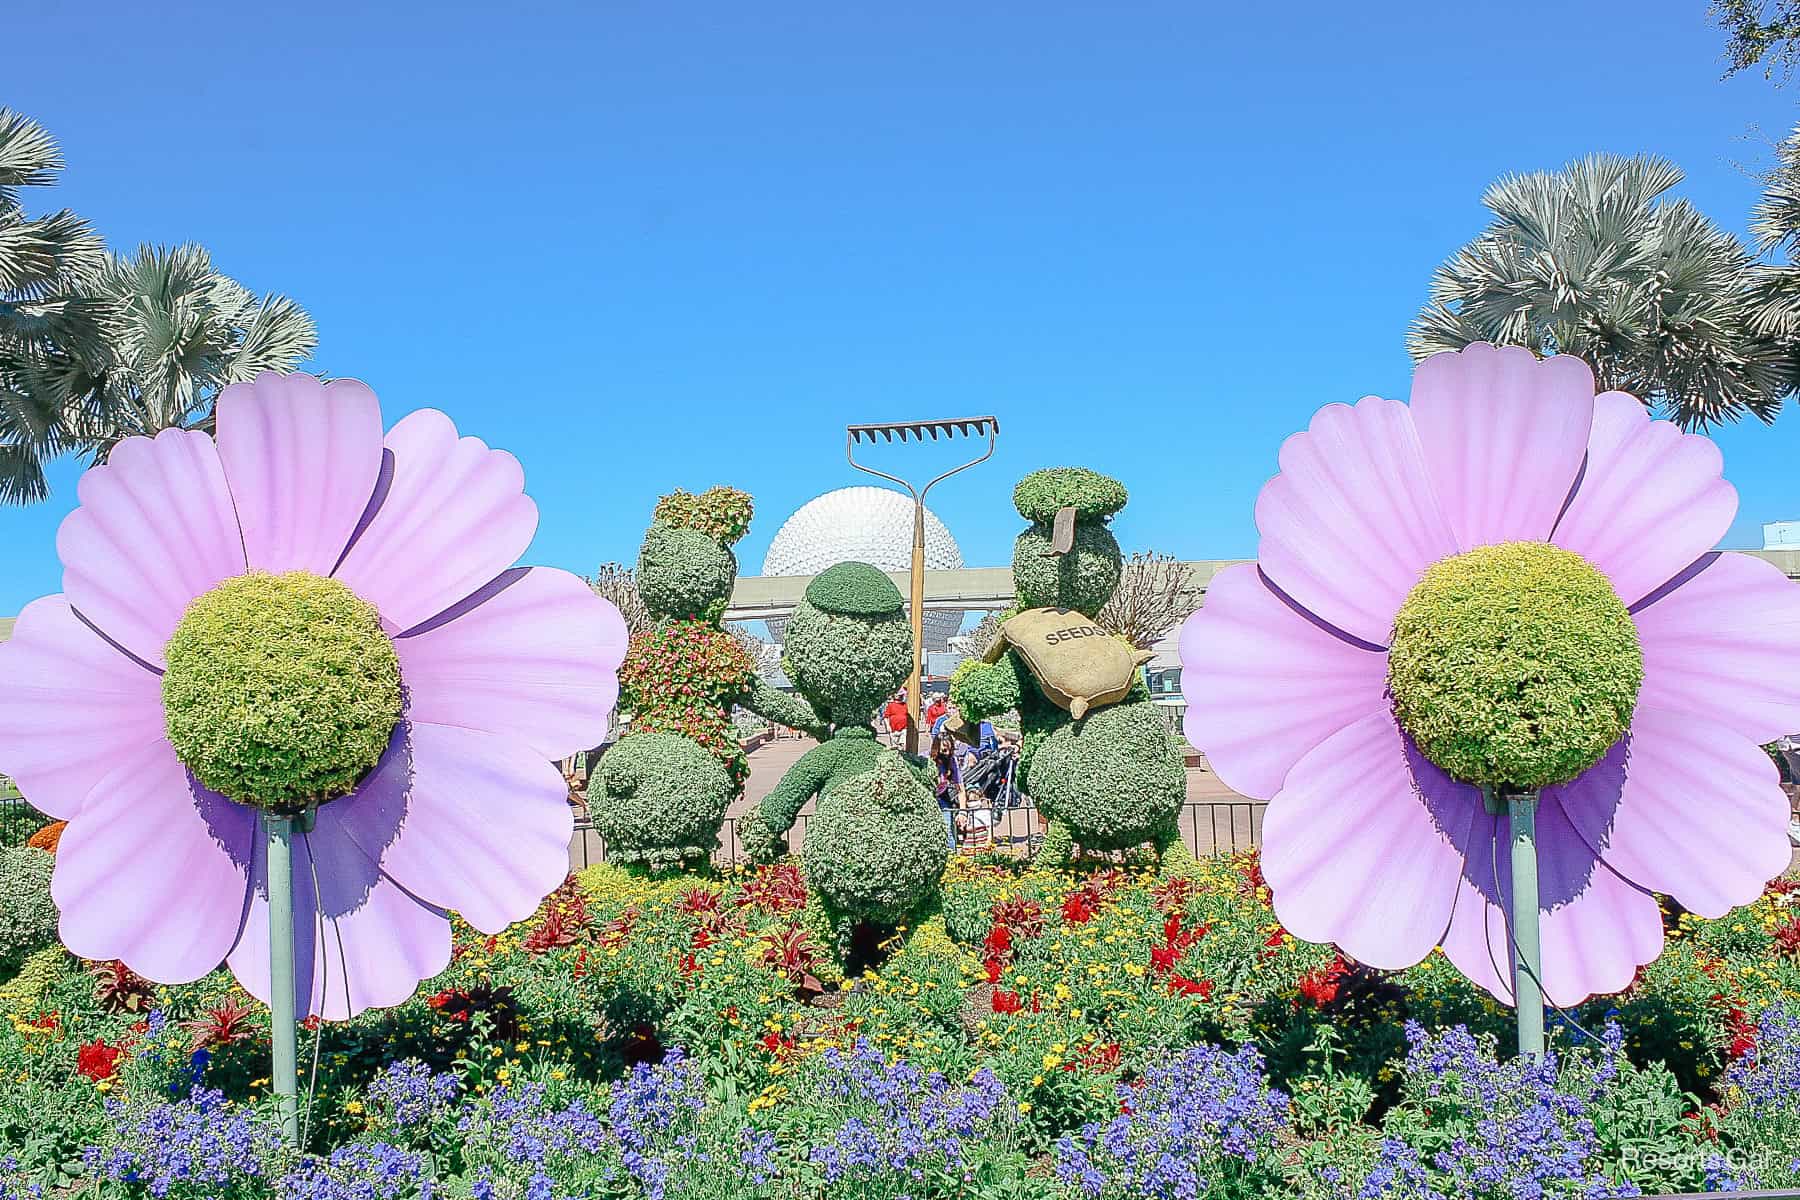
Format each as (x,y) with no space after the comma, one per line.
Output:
(281,690)
(1515,666)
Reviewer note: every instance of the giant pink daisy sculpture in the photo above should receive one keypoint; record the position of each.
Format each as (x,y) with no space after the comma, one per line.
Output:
(1508,585)
(304,619)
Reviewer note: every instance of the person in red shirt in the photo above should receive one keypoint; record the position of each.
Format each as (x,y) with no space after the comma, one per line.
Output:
(895,716)
(939,706)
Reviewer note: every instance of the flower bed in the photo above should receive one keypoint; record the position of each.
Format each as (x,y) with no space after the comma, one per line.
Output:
(1112,1033)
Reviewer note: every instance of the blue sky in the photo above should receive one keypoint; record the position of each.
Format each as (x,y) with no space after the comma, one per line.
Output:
(646,246)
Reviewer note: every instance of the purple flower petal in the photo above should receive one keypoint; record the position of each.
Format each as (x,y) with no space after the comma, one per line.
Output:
(467,820)
(360,940)
(538,663)
(301,458)
(1351,522)
(1687,807)
(1504,434)
(70,707)
(1726,643)
(155,529)
(454,517)
(1264,685)
(1651,500)
(1352,854)
(152,871)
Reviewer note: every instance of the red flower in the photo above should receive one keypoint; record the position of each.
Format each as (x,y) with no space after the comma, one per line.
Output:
(1743,1032)
(98,1061)
(1006,1002)
(1078,909)
(991,968)
(1181,985)
(1321,986)
(690,965)
(998,940)
(1787,938)
(1164,958)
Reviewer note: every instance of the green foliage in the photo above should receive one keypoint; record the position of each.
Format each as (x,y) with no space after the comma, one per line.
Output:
(877,847)
(683,573)
(281,690)
(851,750)
(1757,34)
(844,665)
(1514,665)
(1041,494)
(1083,579)
(36,974)
(27,914)
(1594,261)
(854,589)
(1116,776)
(659,799)
(721,513)
(980,690)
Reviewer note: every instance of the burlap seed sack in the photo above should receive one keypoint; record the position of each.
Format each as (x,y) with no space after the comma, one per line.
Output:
(1078,665)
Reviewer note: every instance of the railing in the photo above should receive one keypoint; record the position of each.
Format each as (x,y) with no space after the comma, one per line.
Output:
(18,820)
(1207,827)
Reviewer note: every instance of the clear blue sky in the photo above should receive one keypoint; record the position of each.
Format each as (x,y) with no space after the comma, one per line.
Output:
(645,246)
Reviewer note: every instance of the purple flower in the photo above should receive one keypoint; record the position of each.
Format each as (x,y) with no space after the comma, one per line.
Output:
(410,1094)
(362,1172)
(197,1146)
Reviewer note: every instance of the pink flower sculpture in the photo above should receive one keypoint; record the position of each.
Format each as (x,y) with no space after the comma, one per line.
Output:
(500,670)
(1369,843)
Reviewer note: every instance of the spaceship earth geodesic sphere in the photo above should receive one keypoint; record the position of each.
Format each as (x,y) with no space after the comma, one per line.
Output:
(863,524)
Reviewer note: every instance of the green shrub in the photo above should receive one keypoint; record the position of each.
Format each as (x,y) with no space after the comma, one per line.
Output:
(854,588)
(659,799)
(684,573)
(281,690)
(847,665)
(1042,494)
(1514,665)
(1116,776)
(1083,579)
(877,848)
(27,914)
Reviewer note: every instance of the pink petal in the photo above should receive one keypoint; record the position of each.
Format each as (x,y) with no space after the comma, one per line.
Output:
(454,516)
(1350,523)
(537,662)
(360,941)
(155,529)
(1264,685)
(1595,929)
(1353,855)
(302,459)
(1697,812)
(483,828)
(1723,644)
(1503,434)
(70,707)
(1651,499)
(153,869)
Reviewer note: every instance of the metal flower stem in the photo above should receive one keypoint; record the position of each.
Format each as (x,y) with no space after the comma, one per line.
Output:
(284,1036)
(1528,956)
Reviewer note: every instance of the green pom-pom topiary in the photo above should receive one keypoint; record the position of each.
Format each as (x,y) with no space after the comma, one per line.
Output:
(281,691)
(659,799)
(721,513)
(1083,579)
(877,847)
(1042,494)
(27,914)
(844,665)
(1514,666)
(684,573)
(854,589)
(1116,777)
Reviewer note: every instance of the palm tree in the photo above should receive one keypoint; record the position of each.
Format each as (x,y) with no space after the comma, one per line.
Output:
(95,348)
(1591,261)
(41,316)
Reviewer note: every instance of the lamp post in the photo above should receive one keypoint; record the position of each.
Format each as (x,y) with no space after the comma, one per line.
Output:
(963,426)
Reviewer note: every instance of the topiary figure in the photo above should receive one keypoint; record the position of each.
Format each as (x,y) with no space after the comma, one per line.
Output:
(27,913)
(653,800)
(876,844)
(848,647)
(1095,754)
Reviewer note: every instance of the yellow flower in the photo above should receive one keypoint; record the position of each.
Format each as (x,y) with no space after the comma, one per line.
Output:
(353,1107)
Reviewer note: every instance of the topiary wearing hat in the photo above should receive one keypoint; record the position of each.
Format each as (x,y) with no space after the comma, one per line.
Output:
(660,800)
(876,846)
(1097,758)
